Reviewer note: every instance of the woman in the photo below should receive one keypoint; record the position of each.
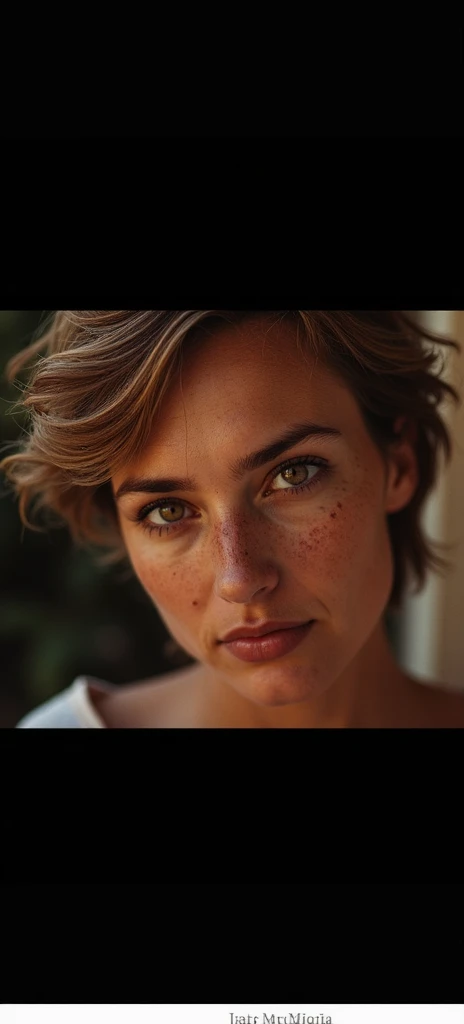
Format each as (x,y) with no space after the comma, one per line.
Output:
(263,473)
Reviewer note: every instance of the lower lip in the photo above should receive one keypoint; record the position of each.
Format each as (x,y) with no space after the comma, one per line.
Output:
(272,645)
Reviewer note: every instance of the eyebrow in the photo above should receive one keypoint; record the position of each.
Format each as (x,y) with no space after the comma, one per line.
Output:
(245,464)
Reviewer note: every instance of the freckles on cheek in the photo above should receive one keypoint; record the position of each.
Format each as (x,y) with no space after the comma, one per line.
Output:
(171,587)
(343,552)
(325,550)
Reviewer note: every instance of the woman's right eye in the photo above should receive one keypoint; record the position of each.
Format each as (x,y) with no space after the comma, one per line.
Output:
(173,508)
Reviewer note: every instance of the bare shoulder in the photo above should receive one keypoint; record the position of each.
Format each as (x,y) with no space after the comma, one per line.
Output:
(147,703)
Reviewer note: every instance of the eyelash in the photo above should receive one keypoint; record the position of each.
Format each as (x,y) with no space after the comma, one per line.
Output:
(142,520)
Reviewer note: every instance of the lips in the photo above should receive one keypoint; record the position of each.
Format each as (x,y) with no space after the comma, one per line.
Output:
(243,632)
(268,646)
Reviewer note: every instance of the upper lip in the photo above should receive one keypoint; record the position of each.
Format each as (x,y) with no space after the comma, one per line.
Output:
(260,630)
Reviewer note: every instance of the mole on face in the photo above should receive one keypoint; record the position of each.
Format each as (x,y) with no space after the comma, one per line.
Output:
(333,515)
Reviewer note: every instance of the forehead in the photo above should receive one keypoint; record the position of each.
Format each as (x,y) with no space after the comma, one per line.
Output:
(240,385)
(264,340)
(252,368)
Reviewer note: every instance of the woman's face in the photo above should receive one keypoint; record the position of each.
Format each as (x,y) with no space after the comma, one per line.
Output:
(241,543)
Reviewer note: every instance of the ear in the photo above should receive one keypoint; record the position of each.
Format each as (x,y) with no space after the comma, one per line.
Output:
(403,470)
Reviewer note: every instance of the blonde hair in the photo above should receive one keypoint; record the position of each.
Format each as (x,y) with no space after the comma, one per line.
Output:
(98,378)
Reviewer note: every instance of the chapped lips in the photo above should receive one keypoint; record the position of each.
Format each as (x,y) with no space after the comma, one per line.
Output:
(242,632)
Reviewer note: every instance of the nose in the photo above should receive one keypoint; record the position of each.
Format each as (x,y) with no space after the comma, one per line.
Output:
(242,567)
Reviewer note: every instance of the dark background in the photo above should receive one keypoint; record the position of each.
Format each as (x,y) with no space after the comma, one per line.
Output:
(60,615)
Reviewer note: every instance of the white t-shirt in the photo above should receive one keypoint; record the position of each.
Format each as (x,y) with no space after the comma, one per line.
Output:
(71,709)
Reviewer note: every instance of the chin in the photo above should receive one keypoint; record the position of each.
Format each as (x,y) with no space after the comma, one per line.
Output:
(275,685)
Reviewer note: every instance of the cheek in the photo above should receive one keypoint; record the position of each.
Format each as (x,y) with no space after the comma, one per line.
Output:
(323,551)
(349,545)
(173,587)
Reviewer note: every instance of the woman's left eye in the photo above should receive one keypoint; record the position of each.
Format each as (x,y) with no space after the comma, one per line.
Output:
(294,474)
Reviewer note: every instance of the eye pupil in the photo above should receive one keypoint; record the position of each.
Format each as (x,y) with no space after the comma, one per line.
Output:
(171,510)
(291,471)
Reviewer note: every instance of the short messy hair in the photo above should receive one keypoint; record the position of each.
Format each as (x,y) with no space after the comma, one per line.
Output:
(99,376)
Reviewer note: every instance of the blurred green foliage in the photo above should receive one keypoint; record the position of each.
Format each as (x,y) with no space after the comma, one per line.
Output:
(60,615)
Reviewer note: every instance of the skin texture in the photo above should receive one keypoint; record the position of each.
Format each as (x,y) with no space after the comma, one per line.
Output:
(241,556)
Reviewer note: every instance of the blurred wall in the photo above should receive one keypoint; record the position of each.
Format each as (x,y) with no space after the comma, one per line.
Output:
(431,627)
